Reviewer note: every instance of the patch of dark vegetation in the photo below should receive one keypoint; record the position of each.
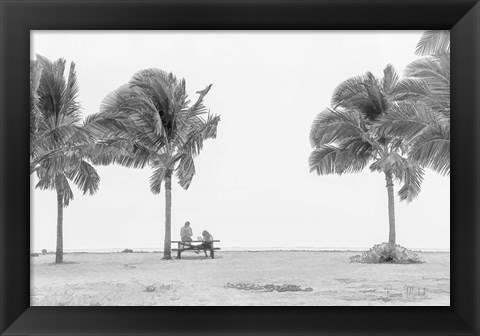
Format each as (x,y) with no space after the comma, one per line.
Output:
(387,253)
(150,288)
(33,254)
(161,288)
(268,287)
(127,251)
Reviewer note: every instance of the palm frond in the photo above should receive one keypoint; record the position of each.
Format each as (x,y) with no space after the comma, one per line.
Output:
(351,156)
(108,149)
(404,170)
(35,114)
(137,114)
(197,106)
(64,136)
(62,185)
(407,120)
(322,160)
(68,100)
(411,88)
(84,176)
(100,126)
(123,152)
(331,126)
(435,72)
(390,79)
(363,94)
(432,150)
(433,42)
(348,90)
(40,155)
(151,119)
(376,105)
(412,177)
(433,69)
(387,162)
(57,182)
(185,171)
(120,101)
(52,86)
(188,119)
(158,176)
(161,88)
(204,130)
(45,182)
(53,164)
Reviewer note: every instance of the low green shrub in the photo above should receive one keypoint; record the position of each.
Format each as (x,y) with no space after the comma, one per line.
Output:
(385,253)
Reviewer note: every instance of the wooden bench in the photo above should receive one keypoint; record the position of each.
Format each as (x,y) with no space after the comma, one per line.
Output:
(195,245)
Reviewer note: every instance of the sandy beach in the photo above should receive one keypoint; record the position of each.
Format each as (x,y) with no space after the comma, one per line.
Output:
(236,278)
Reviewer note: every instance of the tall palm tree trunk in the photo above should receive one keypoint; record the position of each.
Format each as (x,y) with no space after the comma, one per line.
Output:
(167,254)
(391,208)
(59,251)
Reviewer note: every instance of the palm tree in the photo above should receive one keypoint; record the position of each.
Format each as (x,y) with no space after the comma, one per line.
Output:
(348,136)
(162,130)
(425,123)
(58,139)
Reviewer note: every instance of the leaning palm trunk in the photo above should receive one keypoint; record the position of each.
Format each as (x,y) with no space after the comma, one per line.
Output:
(168,216)
(391,208)
(59,251)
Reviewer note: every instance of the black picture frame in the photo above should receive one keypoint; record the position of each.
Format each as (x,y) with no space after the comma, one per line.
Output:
(18,17)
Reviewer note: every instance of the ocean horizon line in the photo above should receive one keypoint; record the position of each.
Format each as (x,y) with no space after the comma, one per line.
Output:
(242,249)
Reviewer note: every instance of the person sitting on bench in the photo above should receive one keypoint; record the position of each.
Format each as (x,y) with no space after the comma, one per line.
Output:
(186,235)
(207,242)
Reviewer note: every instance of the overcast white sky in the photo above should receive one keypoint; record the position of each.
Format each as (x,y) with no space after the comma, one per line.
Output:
(252,187)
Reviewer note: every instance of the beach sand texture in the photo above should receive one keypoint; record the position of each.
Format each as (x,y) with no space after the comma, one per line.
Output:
(144,279)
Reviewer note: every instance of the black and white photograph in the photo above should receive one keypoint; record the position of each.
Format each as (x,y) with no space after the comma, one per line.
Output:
(240,168)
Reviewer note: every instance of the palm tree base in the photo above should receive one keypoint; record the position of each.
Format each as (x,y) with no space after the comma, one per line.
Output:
(58,259)
(388,253)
